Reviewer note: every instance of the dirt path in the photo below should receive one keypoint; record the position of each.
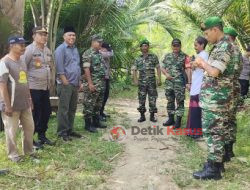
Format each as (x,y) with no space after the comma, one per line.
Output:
(146,162)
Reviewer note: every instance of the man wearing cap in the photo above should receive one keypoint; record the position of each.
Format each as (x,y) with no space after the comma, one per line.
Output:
(230,136)
(68,72)
(216,96)
(146,64)
(93,84)
(38,58)
(15,99)
(174,66)
(107,53)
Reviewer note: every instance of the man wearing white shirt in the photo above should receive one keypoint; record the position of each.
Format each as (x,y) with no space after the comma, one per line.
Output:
(194,115)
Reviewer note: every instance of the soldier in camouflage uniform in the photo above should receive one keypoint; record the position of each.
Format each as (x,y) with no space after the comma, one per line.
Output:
(146,64)
(230,137)
(216,96)
(173,67)
(93,84)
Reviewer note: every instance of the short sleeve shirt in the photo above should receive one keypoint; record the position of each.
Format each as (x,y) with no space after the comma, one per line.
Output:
(38,63)
(14,74)
(146,66)
(217,93)
(174,64)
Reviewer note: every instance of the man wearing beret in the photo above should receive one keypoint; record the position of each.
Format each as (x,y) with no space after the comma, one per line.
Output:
(216,96)
(146,64)
(230,137)
(38,58)
(93,84)
(68,72)
(15,99)
(174,66)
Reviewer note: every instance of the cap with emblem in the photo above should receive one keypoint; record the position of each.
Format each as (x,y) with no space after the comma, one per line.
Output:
(97,38)
(230,31)
(211,22)
(16,40)
(145,41)
(176,41)
(107,46)
(39,29)
(69,29)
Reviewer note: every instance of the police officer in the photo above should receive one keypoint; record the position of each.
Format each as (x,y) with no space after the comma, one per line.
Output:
(93,84)
(216,96)
(38,58)
(146,64)
(174,66)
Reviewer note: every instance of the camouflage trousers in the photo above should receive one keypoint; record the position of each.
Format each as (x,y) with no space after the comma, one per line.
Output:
(92,101)
(215,127)
(149,89)
(175,91)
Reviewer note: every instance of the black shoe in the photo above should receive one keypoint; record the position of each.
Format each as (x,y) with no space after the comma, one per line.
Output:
(44,140)
(178,122)
(142,118)
(228,152)
(89,127)
(74,134)
(221,166)
(210,171)
(170,120)
(37,145)
(104,115)
(97,124)
(152,117)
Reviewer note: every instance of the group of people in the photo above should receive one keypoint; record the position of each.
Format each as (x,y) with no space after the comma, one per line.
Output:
(217,83)
(26,78)
(212,79)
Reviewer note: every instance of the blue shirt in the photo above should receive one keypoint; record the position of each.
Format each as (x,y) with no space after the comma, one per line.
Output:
(67,61)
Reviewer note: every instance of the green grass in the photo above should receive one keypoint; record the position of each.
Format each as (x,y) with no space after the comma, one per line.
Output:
(80,164)
(191,157)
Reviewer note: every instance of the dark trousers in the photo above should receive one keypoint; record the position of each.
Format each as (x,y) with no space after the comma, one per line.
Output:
(41,110)
(106,95)
(244,84)
(68,95)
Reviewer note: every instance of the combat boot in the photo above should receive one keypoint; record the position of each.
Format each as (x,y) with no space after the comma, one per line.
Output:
(142,118)
(228,152)
(178,122)
(88,126)
(170,120)
(152,117)
(211,171)
(221,167)
(97,124)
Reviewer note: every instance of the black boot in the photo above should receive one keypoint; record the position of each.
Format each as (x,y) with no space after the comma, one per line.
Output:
(221,167)
(97,123)
(44,140)
(228,152)
(178,122)
(211,171)
(88,126)
(170,120)
(152,117)
(142,118)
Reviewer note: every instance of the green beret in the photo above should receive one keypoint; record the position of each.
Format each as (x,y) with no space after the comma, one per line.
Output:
(230,31)
(211,22)
(145,41)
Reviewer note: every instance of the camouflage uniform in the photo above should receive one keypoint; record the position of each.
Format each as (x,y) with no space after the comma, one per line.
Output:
(92,101)
(147,82)
(175,88)
(232,122)
(217,99)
